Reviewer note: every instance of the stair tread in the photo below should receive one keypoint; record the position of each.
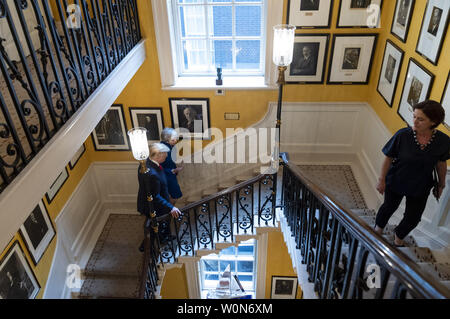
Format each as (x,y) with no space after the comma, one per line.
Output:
(440,271)
(418,254)
(110,287)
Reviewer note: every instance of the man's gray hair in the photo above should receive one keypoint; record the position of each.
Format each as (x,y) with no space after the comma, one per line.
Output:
(168,133)
(157,148)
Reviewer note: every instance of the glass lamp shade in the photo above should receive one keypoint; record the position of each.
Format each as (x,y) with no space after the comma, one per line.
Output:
(139,144)
(283,44)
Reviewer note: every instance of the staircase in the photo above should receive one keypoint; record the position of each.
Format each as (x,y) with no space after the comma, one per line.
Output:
(117,275)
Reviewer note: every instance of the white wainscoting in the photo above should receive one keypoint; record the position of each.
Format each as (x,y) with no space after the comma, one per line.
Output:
(105,188)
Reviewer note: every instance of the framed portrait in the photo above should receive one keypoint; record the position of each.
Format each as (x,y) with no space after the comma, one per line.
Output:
(284,287)
(150,118)
(57,184)
(17,280)
(445,101)
(351,58)
(433,30)
(308,61)
(77,156)
(190,116)
(37,232)
(110,134)
(416,89)
(402,19)
(309,13)
(390,69)
(359,13)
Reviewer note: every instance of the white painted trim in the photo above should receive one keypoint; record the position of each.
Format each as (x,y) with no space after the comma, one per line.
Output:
(21,196)
(192,277)
(261,255)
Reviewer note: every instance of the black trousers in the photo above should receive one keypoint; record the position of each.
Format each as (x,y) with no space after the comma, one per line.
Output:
(415,206)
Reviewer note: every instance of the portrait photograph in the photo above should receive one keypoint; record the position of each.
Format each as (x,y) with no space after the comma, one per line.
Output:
(150,118)
(190,116)
(433,30)
(416,89)
(111,133)
(309,5)
(351,58)
(309,14)
(17,280)
(284,287)
(402,19)
(445,101)
(390,69)
(57,184)
(359,4)
(77,156)
(308,61)
(37,232)
(359,13)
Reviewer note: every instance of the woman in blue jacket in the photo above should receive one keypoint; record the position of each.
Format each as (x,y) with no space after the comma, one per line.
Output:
(169,137)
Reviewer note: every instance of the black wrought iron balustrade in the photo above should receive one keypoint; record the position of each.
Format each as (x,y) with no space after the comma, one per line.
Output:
(217,219)
(344,257)
(53,55)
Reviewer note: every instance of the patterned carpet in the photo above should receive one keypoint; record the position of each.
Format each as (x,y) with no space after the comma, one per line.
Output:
(338,181)
(114,267)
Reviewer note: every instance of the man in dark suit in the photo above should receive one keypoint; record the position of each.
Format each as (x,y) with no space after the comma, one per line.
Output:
(153,194)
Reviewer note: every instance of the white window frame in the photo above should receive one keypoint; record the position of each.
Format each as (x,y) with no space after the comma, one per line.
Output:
(235,258)
(162,17)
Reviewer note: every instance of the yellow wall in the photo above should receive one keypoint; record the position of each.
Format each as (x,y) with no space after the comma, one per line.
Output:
(279,262)
(174,285)
(387,114)
(42,269)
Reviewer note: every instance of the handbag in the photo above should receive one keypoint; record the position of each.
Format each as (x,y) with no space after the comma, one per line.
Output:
(435,184)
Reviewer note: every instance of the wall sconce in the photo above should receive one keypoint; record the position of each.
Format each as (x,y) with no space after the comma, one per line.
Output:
(139,146)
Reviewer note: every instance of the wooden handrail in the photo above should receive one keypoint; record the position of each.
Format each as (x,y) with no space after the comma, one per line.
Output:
(395,261)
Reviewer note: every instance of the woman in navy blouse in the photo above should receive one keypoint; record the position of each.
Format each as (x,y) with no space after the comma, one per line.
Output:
(169,137)
(411,155)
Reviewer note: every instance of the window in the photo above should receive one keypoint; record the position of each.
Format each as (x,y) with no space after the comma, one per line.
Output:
(193,37)
(242,261)
(219,33)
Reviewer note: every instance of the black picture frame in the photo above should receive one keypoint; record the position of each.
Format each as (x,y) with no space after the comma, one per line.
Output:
(351,58)
(310,70)
(17,280)
(200,108)
(430,41)
(314,15)
(37,232)
(416,88)
(445,101)
(76,157)
(284,287)
(401,21)
(390,71)
(57,184)
(150,118)
(110,134)
(351,14)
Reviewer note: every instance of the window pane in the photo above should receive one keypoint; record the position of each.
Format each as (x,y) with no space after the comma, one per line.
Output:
(211,277)
(248,55)
(217,1)
(190,1)
(245,278)
(224,59)
(222,21)
(245,266)
(210,265)
(195,57)
(227,251)
(225,263)
(248,1)
(192,20)
(245,250)
(248,21)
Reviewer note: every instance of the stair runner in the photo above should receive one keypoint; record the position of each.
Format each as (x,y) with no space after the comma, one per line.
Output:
(113,270)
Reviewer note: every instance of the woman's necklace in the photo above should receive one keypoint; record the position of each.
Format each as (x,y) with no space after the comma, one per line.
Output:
(423,145)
